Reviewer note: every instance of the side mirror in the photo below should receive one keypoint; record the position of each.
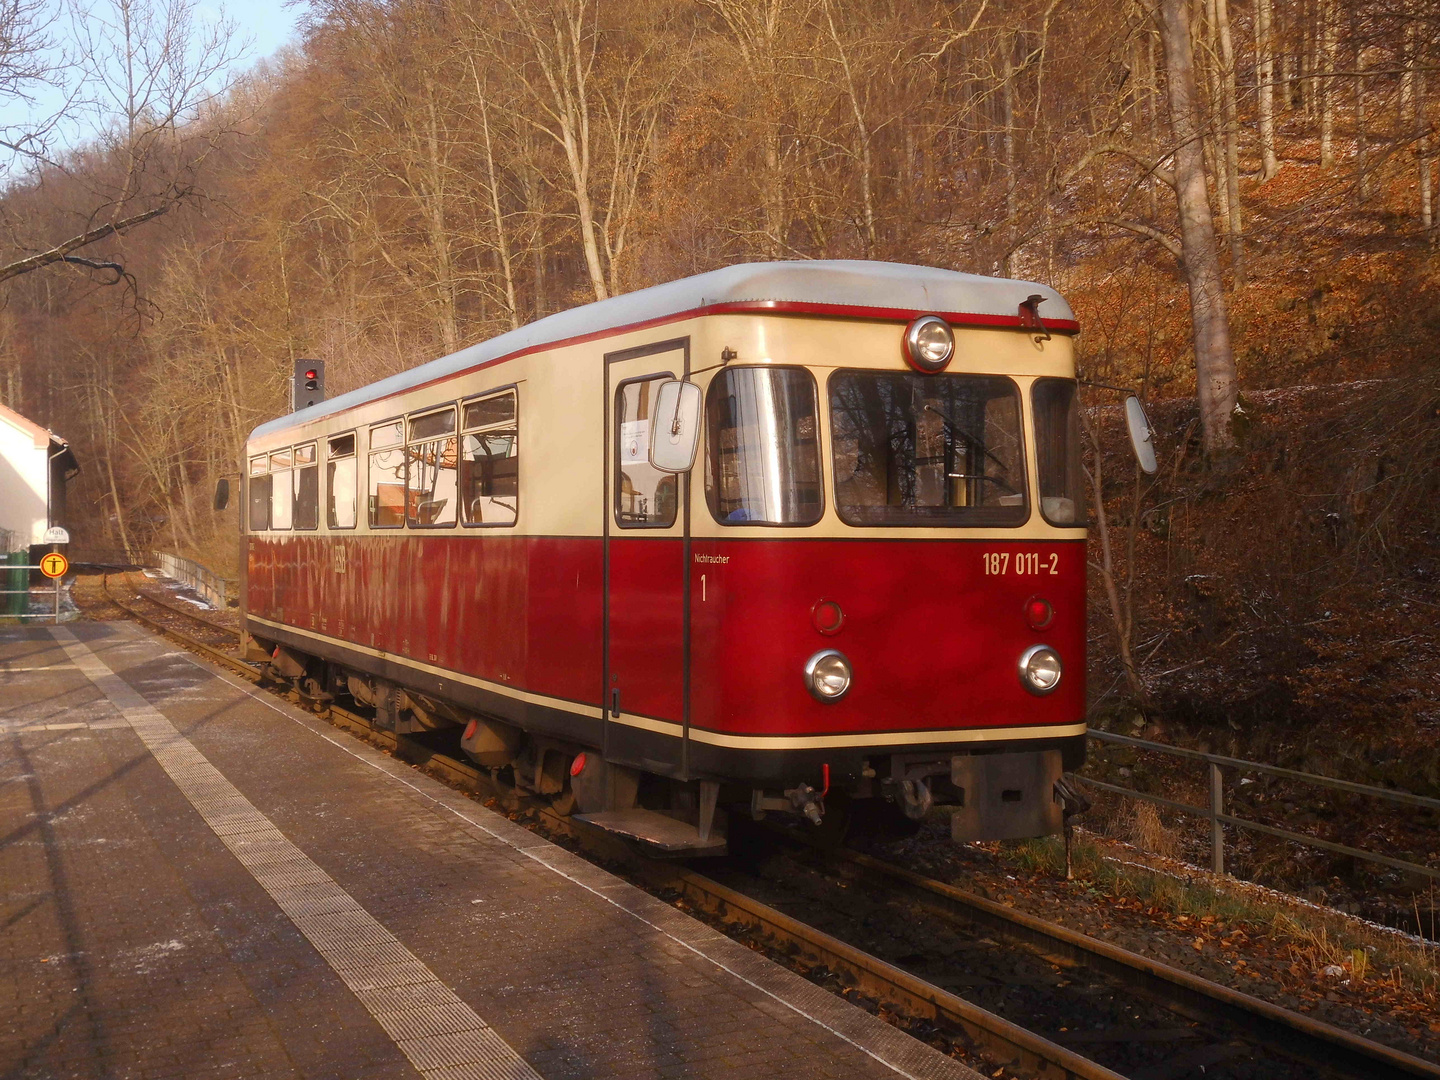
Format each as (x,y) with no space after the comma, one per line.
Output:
(1142,435)
(222,493)
(675,431)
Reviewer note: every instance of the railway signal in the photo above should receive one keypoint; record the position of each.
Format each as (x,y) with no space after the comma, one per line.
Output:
(308,386)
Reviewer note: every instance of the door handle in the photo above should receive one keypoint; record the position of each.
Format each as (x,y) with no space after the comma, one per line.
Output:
(615,702)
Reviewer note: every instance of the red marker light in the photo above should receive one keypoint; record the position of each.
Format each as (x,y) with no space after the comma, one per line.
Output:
(578,765)
(469,731)
(1038,613)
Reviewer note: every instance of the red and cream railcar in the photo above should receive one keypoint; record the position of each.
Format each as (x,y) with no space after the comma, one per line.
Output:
(871,581)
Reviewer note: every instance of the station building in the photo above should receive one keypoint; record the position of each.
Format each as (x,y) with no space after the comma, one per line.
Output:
(35,465)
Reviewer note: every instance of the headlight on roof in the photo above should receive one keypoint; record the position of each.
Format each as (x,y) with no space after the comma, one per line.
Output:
(1040,669)
(827,675)
(929,344)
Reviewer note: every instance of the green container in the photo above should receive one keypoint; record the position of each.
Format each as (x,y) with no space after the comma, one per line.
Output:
(17,601)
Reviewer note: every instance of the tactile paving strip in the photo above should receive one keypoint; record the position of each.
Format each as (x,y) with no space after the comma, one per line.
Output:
(441,1035)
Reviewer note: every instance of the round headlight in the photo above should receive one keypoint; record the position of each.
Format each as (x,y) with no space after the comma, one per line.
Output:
(827,675)
(929,344)
(1040,669)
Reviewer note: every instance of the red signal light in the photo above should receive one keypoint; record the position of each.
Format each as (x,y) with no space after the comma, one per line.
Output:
(310,374)
(1038,613)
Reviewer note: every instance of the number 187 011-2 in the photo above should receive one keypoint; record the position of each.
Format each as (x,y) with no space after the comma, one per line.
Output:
(1020,563)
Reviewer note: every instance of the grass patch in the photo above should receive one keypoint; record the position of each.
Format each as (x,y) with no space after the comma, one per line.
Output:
(1315,938)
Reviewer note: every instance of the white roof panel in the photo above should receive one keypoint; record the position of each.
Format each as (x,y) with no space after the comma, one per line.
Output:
(843,283)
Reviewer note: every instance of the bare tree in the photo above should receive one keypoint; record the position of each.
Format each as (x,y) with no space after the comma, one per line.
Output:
(1265,86)
(1214,360)
(151,78)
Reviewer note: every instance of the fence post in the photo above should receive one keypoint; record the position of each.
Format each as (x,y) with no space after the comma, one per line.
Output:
(1217,831)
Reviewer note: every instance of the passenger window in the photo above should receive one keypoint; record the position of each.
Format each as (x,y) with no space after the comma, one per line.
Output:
(645,497)
(490,461)
(259,498)
(282,499)
(387,475)
(340,482)
(307,487)
(430,470)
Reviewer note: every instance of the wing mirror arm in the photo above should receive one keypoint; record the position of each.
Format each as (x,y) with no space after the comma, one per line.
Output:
(222,493)
(675,431)
(1137,423)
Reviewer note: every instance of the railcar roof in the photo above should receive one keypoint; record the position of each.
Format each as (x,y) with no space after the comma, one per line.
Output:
(876,288)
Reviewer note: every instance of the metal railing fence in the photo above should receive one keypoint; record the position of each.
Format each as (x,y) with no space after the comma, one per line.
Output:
(15,596)
(210,585)
(1215,812)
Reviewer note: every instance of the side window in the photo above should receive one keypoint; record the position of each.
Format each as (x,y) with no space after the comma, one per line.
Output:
(307,487)
(490,460)
(259,497)
(387,475)
(430,470)
(645,497)
(1057,442)
(762,466)
(340,482)
(282,499)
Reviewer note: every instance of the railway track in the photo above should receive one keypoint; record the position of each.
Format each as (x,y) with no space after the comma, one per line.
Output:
(1227,1028)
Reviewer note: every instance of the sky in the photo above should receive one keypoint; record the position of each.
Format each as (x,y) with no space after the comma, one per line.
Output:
(268,22)
(264,26)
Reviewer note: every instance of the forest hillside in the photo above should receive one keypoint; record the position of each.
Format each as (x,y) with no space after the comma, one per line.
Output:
(1242,186)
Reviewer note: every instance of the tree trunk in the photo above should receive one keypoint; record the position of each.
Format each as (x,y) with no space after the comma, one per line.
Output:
(502,242)
(1214,129)
(434,205)
(1362,180)
(1422,155)
(1326,49)
(862,133)
(1232,139)
(1265,81)
(1008,103)
(1214,361)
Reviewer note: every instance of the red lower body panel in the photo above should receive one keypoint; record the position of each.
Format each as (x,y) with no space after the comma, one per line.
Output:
(934,630)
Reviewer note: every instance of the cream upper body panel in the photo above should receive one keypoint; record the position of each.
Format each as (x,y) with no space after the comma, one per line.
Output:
(563,406)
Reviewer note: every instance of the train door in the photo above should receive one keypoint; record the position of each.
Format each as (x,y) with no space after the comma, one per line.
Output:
(647,546)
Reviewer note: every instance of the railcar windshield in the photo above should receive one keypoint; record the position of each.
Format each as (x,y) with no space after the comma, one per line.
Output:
(932,450)
(762,465)
(1057,449)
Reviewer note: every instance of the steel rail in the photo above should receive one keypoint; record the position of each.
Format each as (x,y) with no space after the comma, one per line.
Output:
(1007,1043)
(194,616)
(1311,1039)
(219,656)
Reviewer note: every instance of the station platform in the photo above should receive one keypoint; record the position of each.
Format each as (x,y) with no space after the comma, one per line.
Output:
(197,880)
